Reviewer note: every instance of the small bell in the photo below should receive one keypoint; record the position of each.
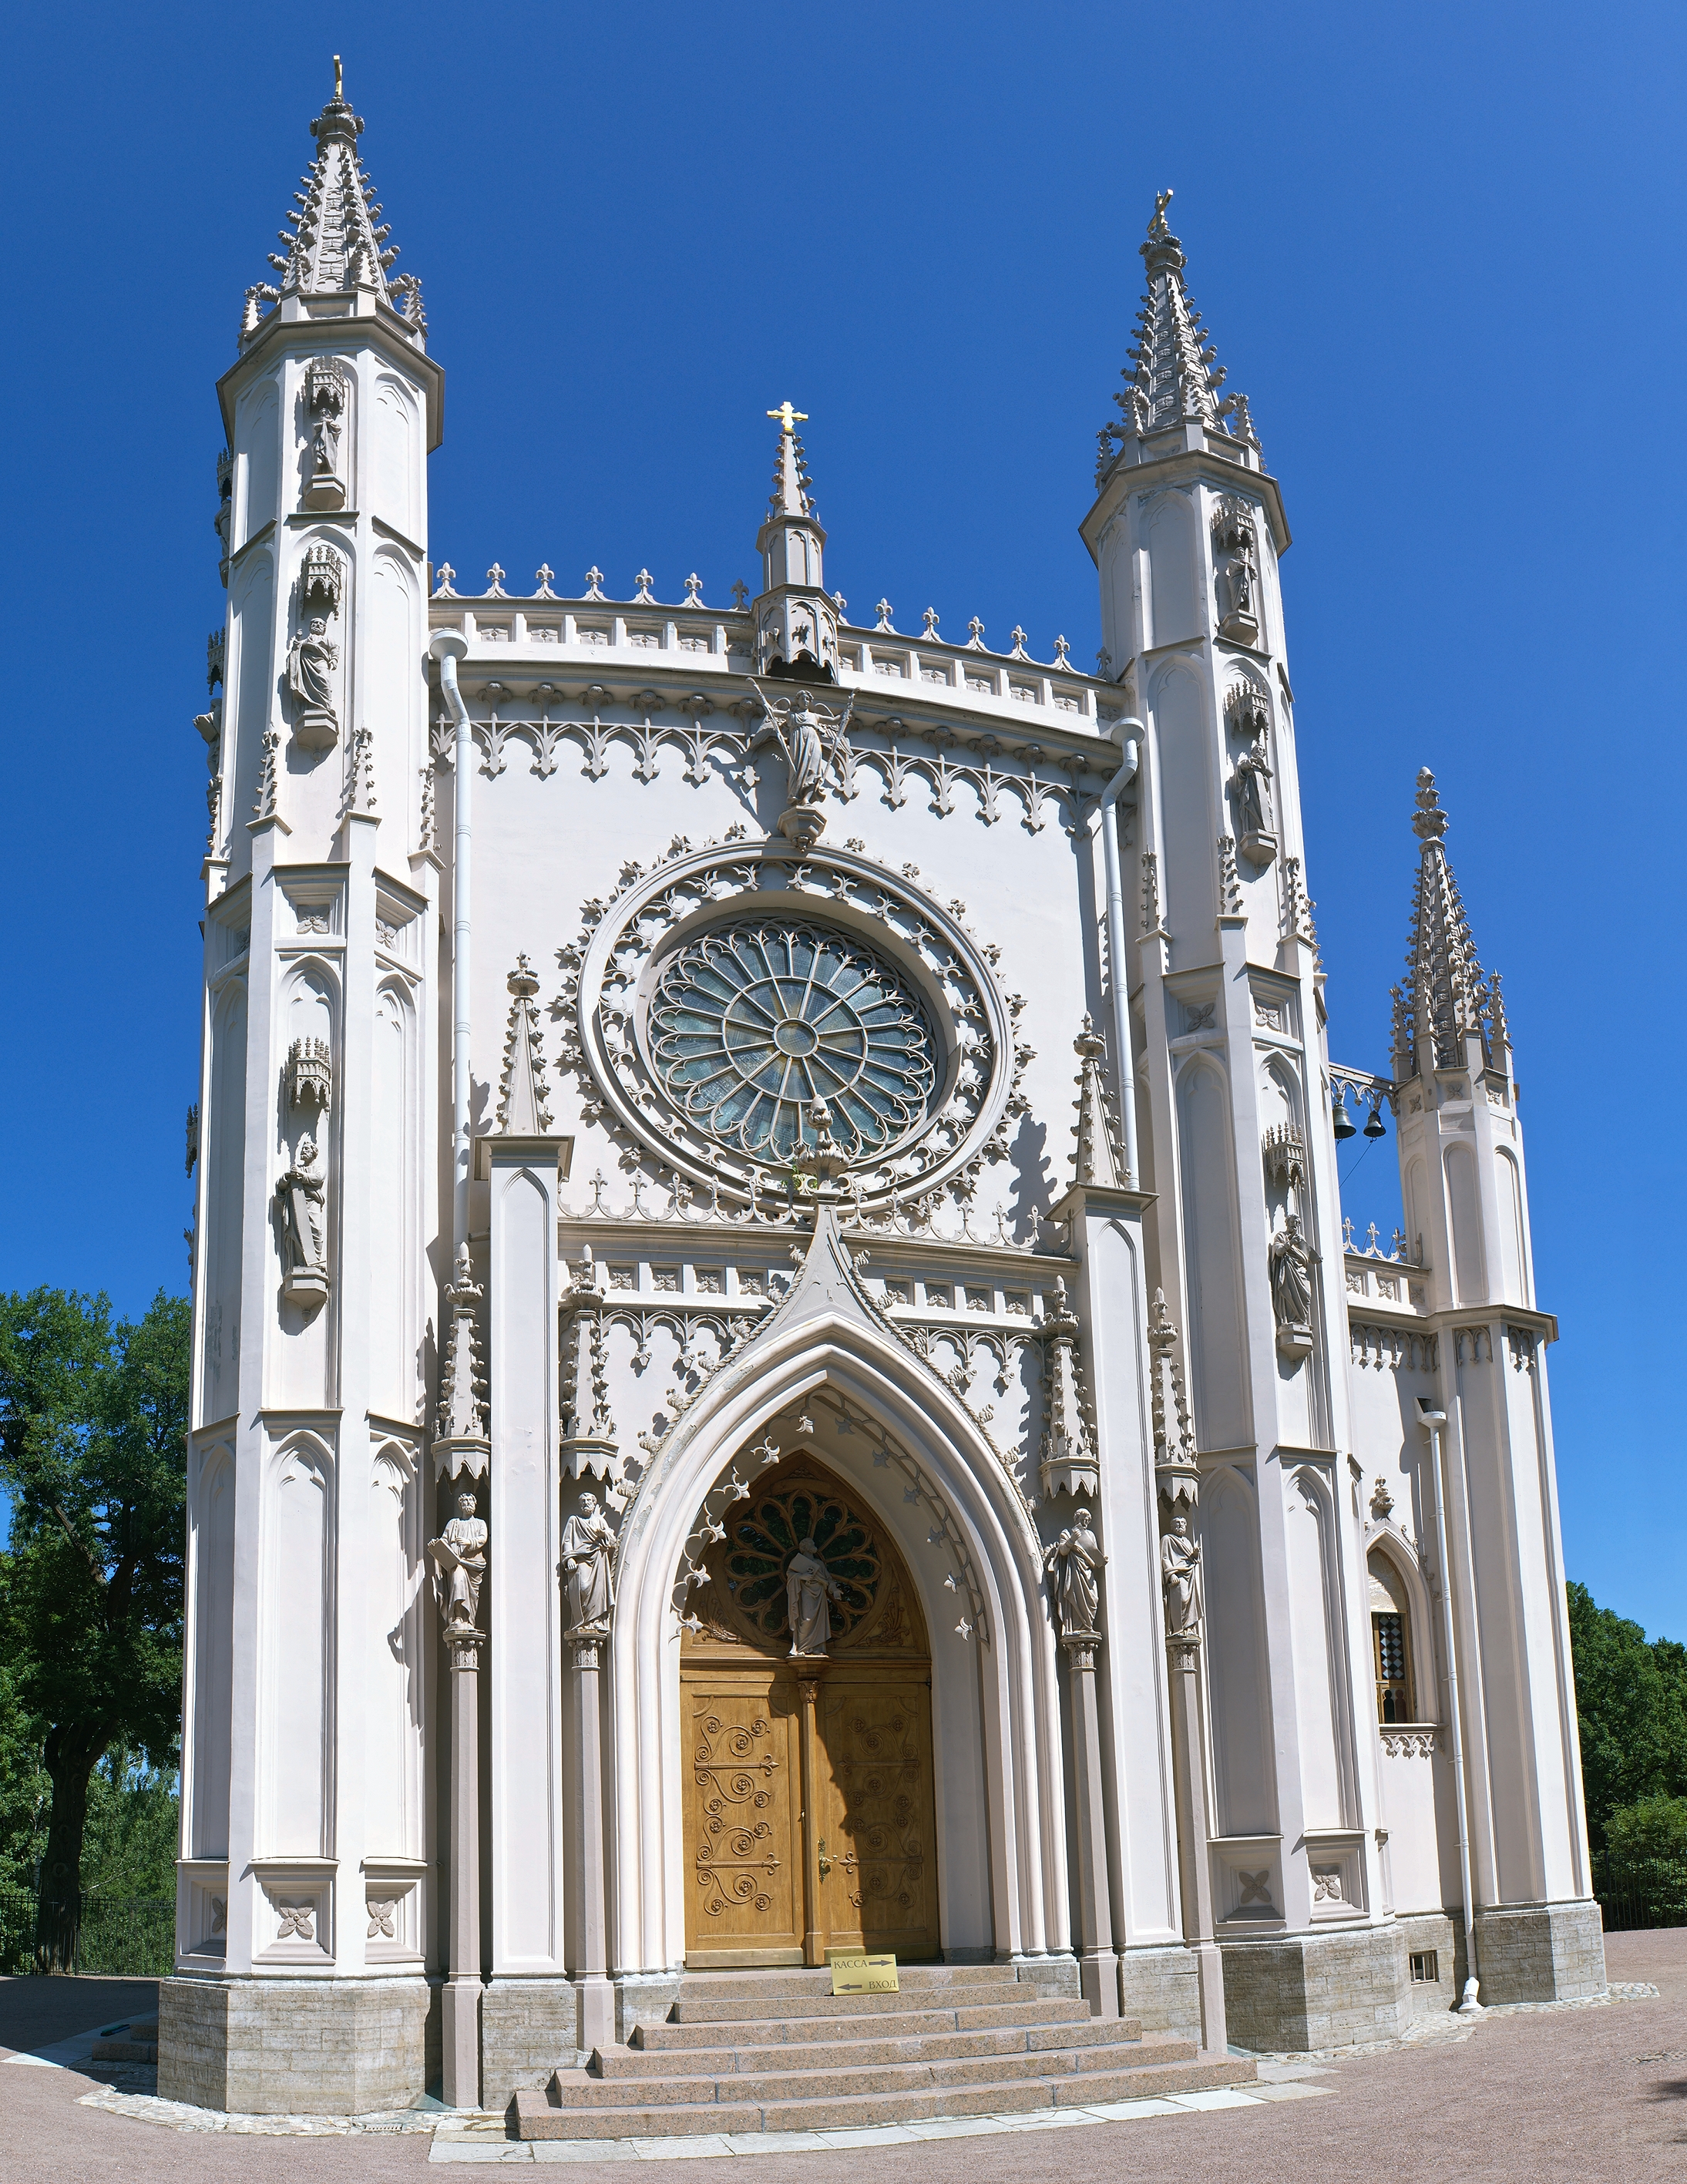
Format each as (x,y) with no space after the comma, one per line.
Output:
(1340,1121)
(1375,1126)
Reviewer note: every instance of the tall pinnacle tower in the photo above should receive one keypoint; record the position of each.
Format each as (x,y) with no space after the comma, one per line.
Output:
(307,1801)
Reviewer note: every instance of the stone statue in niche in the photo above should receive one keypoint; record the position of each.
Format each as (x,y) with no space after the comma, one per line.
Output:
(1251,792)
(300,1201)
(1180,1575)
(588,1546)
(1072,1563)
(459,1556)
(1291,1287)
(1233,535)
(809,1590)
(325,405)
(312,658)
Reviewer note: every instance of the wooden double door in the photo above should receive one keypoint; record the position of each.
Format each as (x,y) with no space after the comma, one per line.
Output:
(810,1808)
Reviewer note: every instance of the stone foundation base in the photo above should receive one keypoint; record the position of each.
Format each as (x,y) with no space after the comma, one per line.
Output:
(1162,1987)
(1440,1935)
(529,2027)
(1318,1990)
(1549,1953)
(298,2047)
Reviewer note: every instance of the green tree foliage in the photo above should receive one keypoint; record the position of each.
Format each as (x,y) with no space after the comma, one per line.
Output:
(93,1415)
(1631,1702)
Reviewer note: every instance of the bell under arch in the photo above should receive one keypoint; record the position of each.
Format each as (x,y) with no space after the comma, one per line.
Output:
(806,1689)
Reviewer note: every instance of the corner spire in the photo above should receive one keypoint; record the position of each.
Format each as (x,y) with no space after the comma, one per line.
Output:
(1444,1000)
(1173,377)
(335,243)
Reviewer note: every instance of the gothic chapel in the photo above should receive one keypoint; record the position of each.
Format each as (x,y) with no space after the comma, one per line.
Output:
(778,1372)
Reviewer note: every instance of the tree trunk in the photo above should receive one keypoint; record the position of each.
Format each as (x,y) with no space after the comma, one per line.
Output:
(72,1750)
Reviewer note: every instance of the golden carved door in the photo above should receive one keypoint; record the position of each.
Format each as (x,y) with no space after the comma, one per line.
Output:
(743,1819)
(878,1815)
(810,1808)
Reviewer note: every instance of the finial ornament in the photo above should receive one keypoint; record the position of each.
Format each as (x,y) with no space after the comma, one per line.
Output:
(789,419)
(339,84)
(1428,822)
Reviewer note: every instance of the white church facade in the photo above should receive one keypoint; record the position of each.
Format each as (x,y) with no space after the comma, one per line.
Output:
(698,1465)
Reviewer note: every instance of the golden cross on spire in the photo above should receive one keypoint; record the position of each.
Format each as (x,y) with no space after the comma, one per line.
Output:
(789,419)
(339,92)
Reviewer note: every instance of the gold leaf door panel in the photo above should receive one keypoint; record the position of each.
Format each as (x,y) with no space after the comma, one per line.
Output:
(744,1821)
(877,1816)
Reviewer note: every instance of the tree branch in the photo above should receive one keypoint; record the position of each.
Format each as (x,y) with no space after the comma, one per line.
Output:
(94,1570)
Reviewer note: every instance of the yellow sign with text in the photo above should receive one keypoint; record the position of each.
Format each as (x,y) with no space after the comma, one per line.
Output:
(854,1972)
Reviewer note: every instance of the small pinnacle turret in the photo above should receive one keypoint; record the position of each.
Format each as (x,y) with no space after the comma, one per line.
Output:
(796,624)
(1444,1000)
(1173,376)
(336,243)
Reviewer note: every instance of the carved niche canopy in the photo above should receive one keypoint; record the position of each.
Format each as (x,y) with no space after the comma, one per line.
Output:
(743,1603)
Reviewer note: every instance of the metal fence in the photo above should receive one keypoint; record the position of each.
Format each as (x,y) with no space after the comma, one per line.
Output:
(119,1937)
(1644,1893)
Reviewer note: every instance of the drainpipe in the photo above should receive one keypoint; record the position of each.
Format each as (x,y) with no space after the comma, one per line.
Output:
(1432,1420)
(447,647)
(1125,732)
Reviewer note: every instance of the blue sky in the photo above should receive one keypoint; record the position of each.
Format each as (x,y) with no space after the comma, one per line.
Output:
(1440,248)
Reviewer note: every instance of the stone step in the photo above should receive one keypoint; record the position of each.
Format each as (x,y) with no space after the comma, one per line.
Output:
(1018,2004)
(589,2089)
(538,2115)
(778,1981)
(870,2046)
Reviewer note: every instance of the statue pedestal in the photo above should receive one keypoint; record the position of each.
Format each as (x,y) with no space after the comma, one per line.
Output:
(1294,1341)
(325,491)
(307,1287)
(1239,628)
(315,729)
(1258,849)
(802,824)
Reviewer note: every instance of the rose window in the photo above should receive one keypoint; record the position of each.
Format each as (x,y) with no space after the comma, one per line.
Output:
(751,1023)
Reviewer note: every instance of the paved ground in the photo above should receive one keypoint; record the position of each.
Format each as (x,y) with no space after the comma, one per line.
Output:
(1597,2094)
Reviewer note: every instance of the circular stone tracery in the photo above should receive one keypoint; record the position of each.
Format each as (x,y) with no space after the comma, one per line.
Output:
(751,1023)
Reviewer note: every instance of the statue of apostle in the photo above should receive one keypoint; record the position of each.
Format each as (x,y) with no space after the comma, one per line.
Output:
(459,1556)
(1291,1278)
(810,1587)
(299,1196)
(312,657)
(1250,786)
(1072,1562)
(588,1546)
(1180,1572)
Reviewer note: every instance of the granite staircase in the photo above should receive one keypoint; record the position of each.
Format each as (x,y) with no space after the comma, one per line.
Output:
(778,2051)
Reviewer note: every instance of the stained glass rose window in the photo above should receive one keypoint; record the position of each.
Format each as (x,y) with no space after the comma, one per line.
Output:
(750,1023)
